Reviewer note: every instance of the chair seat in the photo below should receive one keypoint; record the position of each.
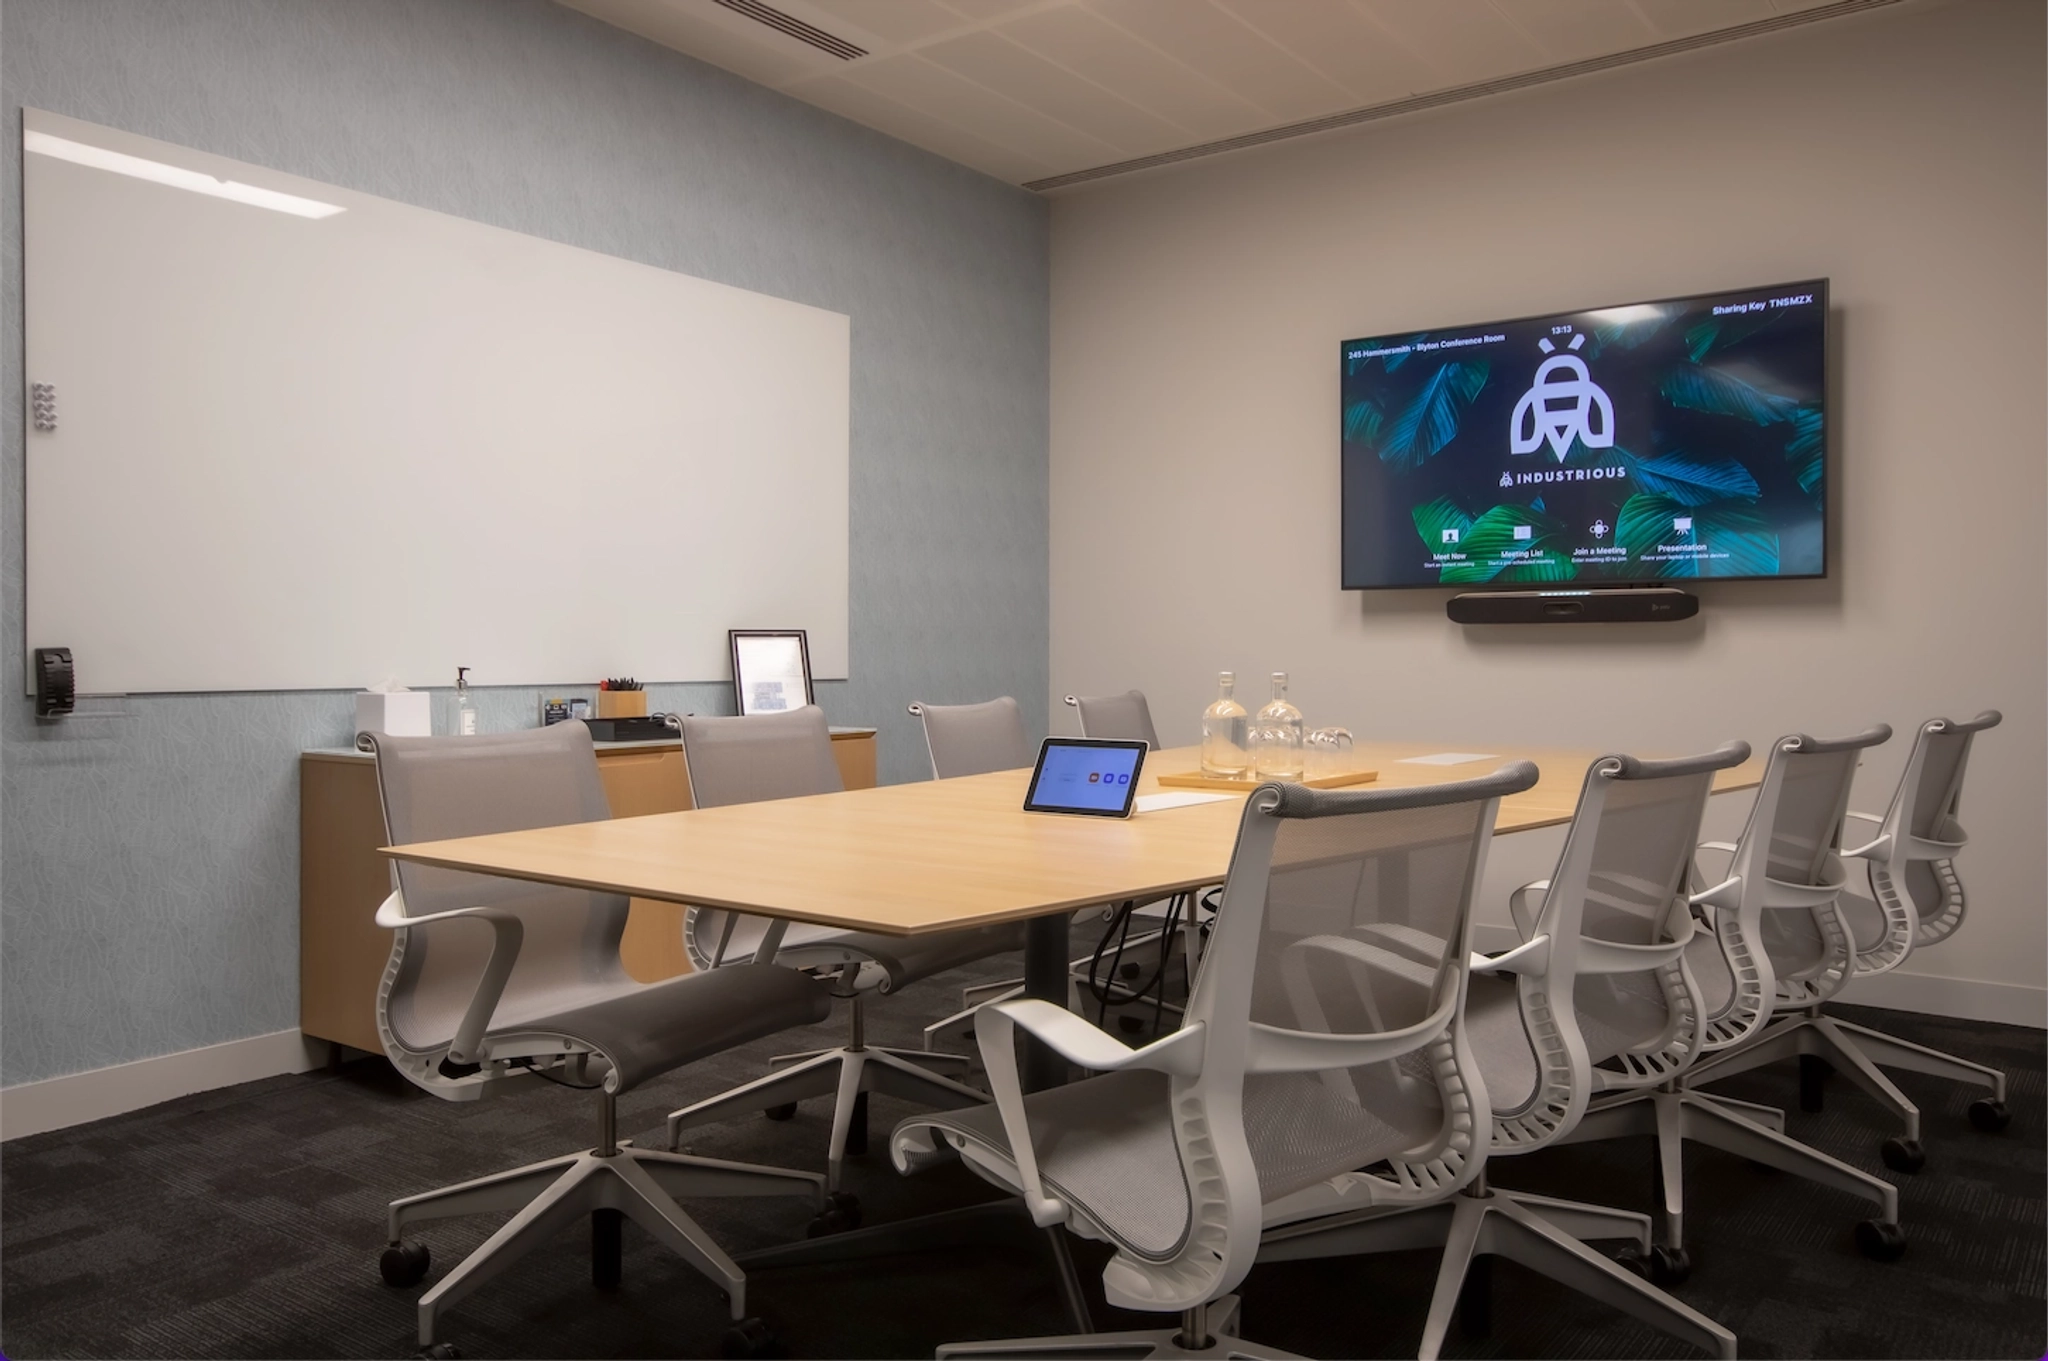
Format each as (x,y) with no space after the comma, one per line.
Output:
(902,959)
(1106,1147)
(648,1029)
(1616,1013)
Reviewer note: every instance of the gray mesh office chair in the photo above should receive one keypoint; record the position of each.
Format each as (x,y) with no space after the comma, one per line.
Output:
(1120,718)
(492,980)
(1324,1036)
(1916,900)
(1609,933)
(1774,920)
(788,755)
(975,739)
(1128,718)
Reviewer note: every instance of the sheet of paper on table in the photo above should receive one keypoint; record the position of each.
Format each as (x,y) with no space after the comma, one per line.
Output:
(1447,758)
(1152,803)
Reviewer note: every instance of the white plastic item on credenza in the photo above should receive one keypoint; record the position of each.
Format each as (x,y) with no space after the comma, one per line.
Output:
(395,713)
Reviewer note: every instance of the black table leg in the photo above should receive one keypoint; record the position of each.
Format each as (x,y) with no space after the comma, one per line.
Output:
(1046,951)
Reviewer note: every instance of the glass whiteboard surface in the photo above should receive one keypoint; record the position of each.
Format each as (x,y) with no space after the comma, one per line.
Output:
(310,439)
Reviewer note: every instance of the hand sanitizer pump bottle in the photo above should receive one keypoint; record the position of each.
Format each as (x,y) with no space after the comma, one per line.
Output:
(1223,734)
(465,705)
(1277,736)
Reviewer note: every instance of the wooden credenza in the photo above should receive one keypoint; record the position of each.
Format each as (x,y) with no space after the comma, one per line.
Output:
(342,878)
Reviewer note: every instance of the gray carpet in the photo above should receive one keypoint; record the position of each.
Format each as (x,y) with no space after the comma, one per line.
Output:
(247,1223)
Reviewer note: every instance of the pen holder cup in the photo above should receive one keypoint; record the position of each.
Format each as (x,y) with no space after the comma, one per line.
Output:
(622,704)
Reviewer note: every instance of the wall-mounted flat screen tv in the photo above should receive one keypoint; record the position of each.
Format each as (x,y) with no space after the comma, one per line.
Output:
(1654,442)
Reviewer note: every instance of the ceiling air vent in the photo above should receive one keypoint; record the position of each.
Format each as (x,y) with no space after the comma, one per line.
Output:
(796,28)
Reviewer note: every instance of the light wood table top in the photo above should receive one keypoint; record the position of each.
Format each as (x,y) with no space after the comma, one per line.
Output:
(939,855)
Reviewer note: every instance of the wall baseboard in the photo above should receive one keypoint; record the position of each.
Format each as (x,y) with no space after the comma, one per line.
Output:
(75,1098)
(1968,999)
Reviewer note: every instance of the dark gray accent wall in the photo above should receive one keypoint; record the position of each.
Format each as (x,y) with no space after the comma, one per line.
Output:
(149,863)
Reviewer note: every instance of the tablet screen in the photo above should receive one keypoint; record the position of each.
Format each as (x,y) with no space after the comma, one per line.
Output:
(1075,775)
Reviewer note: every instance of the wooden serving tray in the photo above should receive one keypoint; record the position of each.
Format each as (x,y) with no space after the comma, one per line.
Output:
(1195,779)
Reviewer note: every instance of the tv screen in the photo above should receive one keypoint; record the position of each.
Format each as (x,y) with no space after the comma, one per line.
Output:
(1661,441)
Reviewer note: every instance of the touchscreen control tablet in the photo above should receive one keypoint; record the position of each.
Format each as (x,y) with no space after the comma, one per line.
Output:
(1077,775)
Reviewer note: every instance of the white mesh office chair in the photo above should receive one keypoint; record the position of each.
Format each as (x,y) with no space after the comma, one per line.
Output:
(1916,900)
(1596,999)
(788,755)
(1775,923)
(494,979)
(1323,1036)
(1128,718)
(1120,718)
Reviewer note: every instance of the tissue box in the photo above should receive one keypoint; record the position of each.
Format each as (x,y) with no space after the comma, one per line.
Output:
(407,713)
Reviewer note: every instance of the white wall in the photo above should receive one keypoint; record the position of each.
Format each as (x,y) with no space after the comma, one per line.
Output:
(1196,315)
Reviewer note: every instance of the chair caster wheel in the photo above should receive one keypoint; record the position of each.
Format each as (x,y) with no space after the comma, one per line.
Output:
(848,1206)
(440,1351)
(831,1220)
(1881,1240)
(748,1338)
(1130,1025)
(1669,1266)
(1634,1260)
(404,1264)
(782,1112)
(1989,1115)
(1903,1155)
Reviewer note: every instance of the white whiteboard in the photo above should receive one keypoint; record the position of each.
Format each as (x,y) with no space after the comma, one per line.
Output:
(297,452)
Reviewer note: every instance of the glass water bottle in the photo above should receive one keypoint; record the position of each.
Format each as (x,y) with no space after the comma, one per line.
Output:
(466,724)
(1277,736)
(1224,739)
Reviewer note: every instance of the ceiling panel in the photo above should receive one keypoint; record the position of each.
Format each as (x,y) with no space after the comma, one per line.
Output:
(1573,30)
(1682,18)
(988,11)
(1460,42)
(1211,41)
(892,21)
(1053,90)
(973,108)
(1339,41)
(1043,92)
(1090,46)
(688,29)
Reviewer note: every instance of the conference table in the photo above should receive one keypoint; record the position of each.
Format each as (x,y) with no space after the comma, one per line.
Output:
(939,855)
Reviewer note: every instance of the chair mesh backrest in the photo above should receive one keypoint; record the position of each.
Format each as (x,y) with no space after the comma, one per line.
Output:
(1937,799)
(1813,796)
(436,788)
(1810,806)
(762,756)
(1647,825)
(746,760)
(1363,932)
(1117,718)
(973,739)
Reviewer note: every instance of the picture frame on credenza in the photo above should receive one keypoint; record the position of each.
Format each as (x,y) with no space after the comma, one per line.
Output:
(771,670)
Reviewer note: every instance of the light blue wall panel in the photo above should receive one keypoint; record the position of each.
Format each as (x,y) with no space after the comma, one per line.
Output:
(149,863)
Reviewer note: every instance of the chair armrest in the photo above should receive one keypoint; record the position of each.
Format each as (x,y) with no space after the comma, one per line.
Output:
(507,934)
(1870,850)
(1274,1050)
(1077,1041)
(995,1030)
(1519,909)
(1530,957)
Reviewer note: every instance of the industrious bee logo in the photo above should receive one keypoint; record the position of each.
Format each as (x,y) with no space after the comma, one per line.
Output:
(1562,404)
